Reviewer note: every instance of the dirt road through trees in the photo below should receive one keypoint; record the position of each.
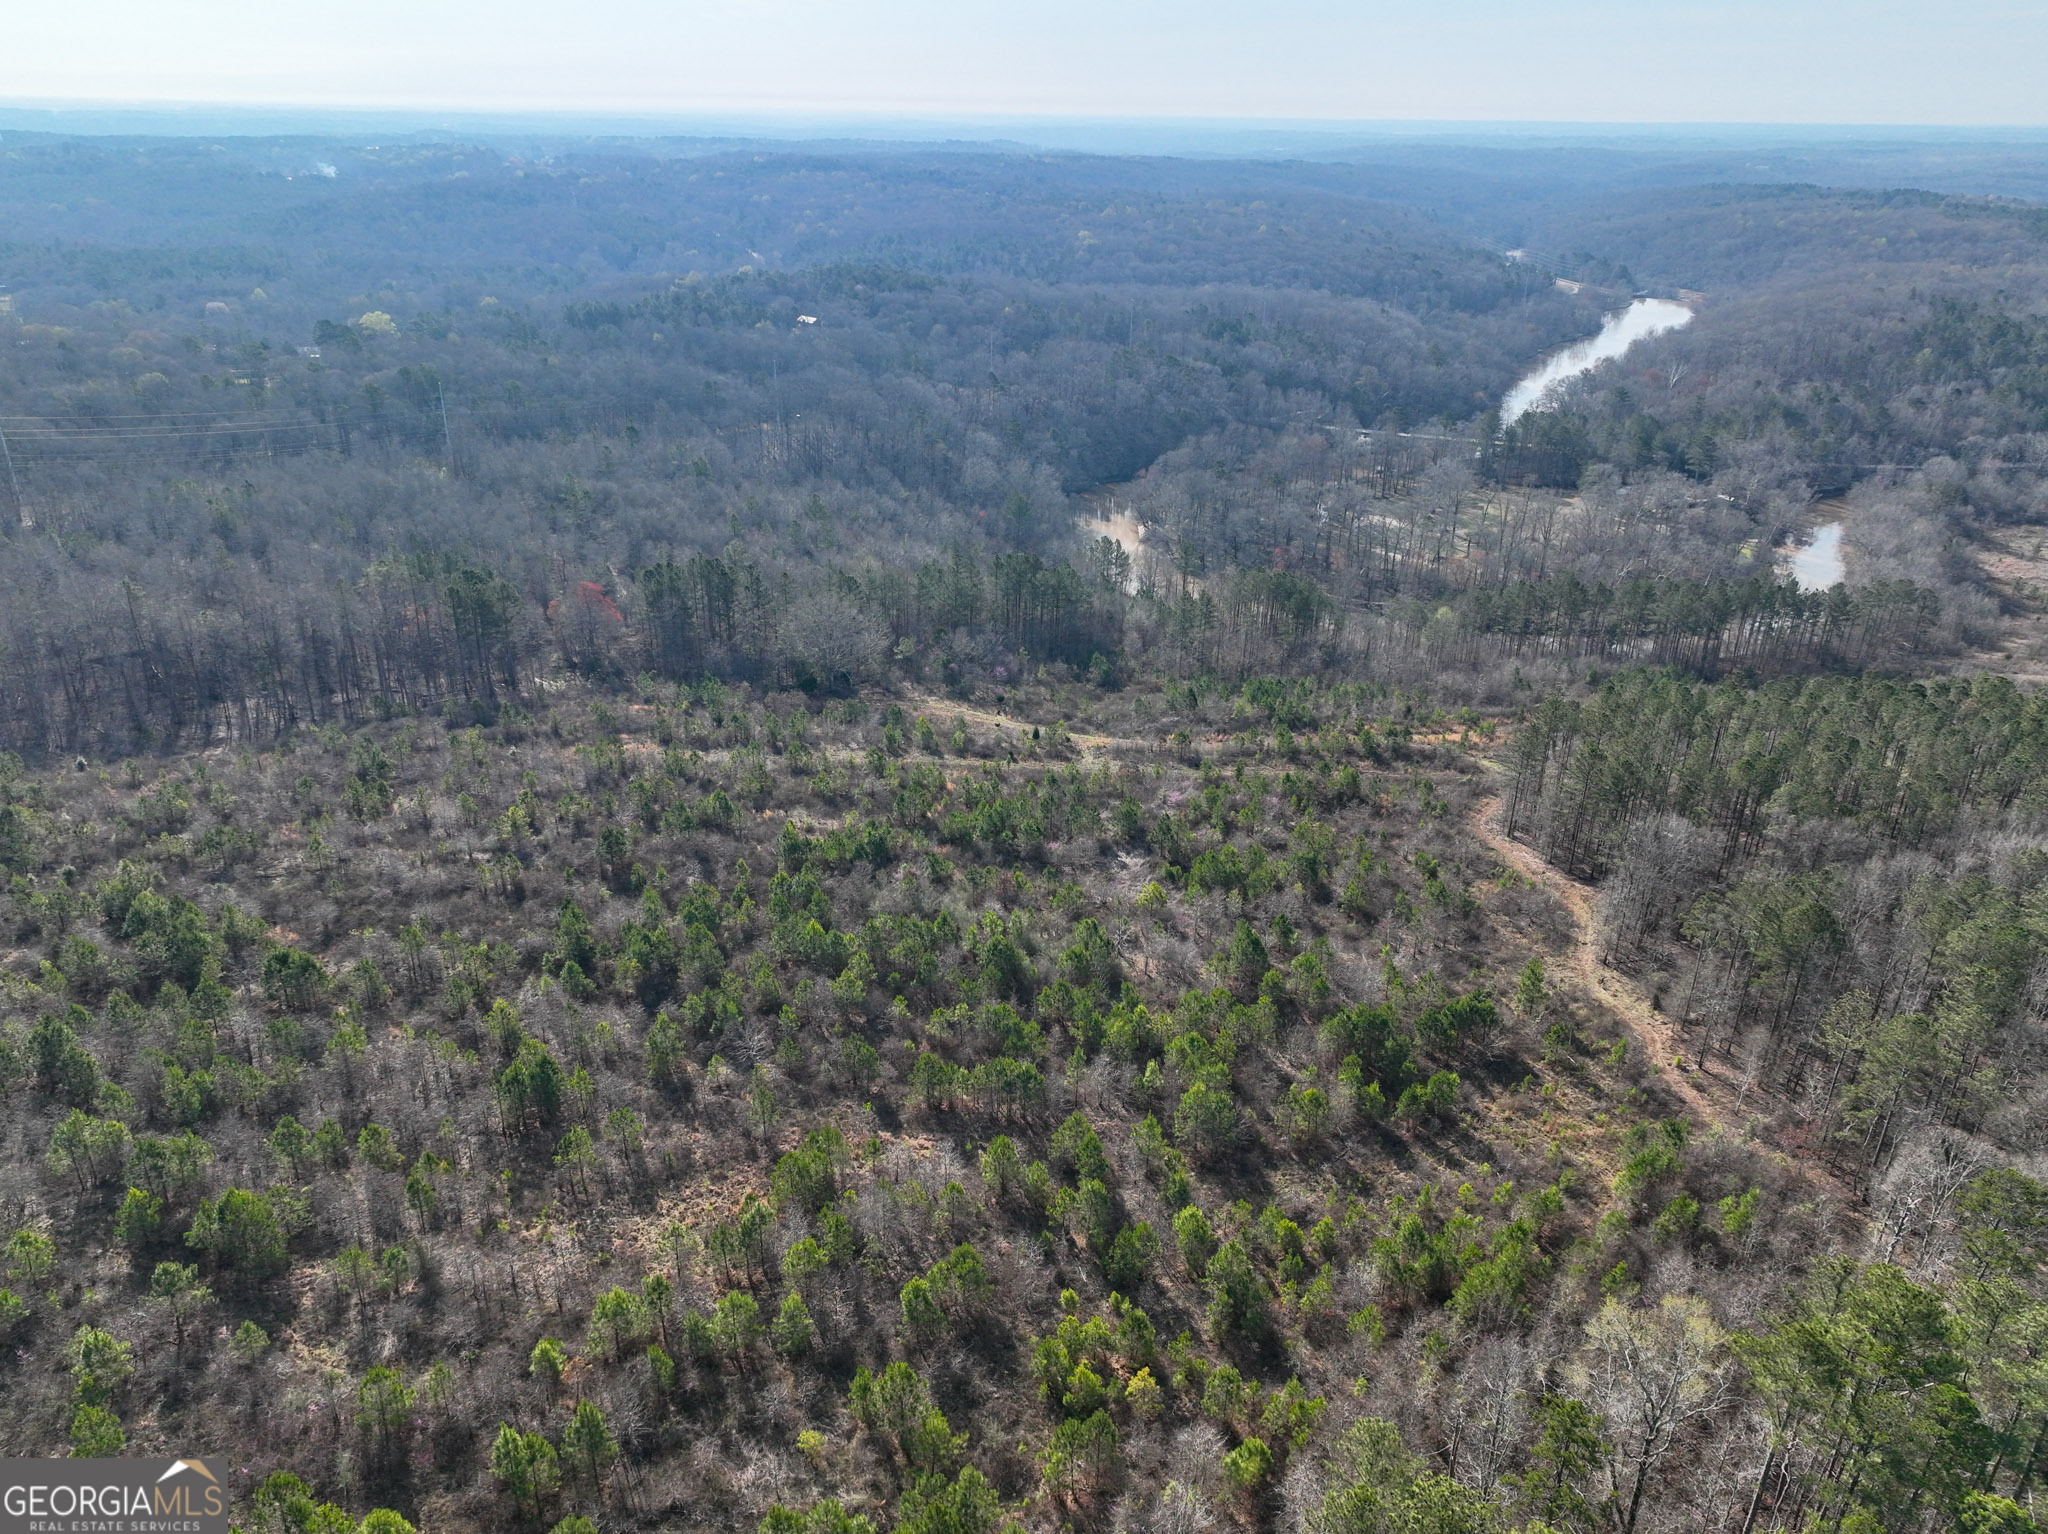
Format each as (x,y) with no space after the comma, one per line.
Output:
(1711,1100)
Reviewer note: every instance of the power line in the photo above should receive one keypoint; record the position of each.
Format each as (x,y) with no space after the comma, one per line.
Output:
(1424,436)
(157,436)
(183,446)
(217,424)
(146,415)
(13,483)
(77,437)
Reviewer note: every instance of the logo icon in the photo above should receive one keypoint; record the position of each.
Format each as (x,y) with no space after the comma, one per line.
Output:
(198,1465)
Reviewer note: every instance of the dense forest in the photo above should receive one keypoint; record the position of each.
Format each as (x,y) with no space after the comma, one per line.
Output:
(859,841)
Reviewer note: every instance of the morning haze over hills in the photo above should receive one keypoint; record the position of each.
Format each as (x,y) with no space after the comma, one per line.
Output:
(847,820)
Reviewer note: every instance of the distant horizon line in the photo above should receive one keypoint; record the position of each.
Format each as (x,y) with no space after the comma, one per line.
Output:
(898,123)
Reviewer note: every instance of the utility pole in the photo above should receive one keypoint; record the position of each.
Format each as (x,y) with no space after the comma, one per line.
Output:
(447,440)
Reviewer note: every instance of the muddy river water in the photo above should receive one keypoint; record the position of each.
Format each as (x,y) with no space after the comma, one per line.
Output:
(1642,319)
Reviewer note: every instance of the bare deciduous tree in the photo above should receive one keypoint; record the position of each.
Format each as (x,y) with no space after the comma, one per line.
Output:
(1650,1374)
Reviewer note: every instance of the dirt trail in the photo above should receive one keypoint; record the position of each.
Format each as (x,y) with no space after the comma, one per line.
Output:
(1708,1097)
(943,711)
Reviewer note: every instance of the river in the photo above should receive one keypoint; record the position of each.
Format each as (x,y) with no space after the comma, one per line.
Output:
(1125,529)
(1642,319)
(1817,564)
(1623,328)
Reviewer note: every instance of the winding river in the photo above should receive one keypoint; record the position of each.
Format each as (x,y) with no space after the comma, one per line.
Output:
(1817,564)
(1642,319)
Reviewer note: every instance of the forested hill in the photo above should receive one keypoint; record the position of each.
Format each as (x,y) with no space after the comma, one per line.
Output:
(1738,236)
(313,220)
(254,412)
(274,383)
(1851,335)
(830,841)
(135,261)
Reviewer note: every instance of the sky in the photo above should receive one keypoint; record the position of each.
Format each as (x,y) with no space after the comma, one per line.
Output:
(1933,62)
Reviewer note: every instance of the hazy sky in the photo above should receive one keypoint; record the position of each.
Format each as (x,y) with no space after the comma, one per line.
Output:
(1786,61)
